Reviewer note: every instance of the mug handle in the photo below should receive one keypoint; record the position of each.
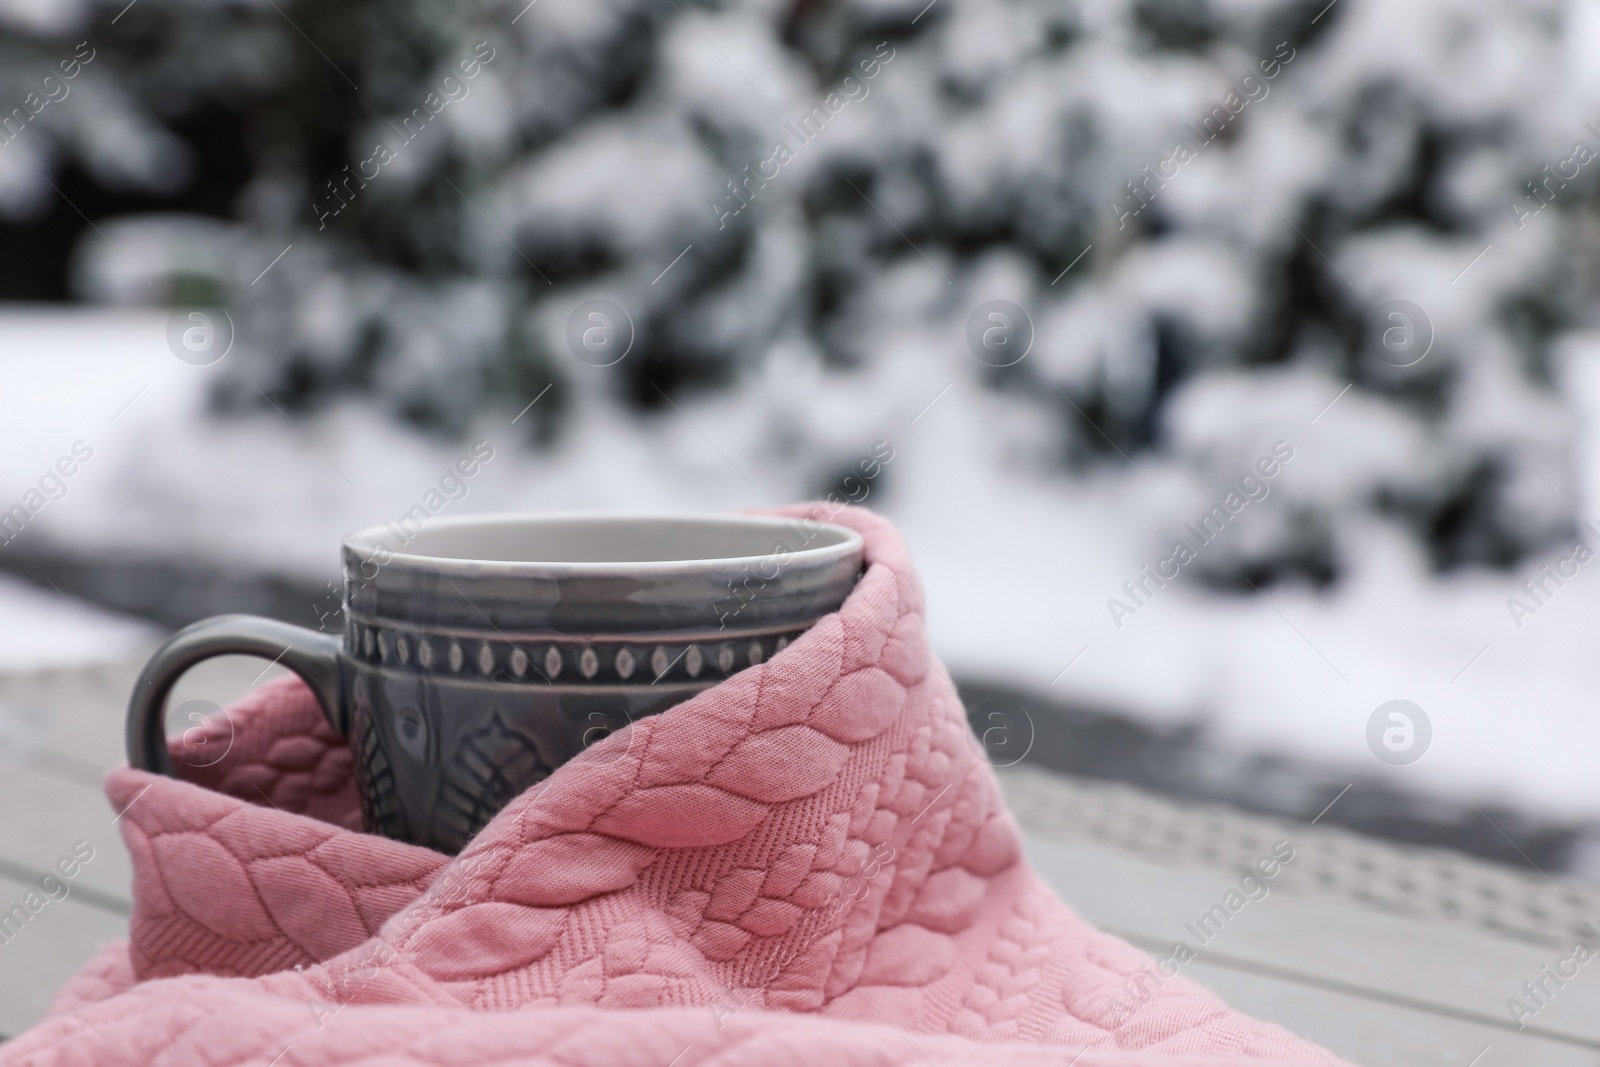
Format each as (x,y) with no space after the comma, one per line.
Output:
(312,655)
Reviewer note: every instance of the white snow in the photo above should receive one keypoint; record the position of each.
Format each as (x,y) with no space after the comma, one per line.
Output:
(41,630)
(1019,557)
(1018,566)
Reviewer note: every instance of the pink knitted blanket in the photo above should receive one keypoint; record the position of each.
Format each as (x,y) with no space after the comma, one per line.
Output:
(808,864)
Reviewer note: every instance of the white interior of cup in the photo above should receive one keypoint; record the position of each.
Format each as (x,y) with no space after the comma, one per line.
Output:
(610,539)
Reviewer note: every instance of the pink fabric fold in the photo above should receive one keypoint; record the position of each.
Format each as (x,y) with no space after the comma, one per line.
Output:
(809,863)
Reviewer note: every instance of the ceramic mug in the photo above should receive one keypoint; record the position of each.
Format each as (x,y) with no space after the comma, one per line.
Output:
(485,651)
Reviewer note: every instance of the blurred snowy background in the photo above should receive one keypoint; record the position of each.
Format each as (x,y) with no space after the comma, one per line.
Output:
(1367,230)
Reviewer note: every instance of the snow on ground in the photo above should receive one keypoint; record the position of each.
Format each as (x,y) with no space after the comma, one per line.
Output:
(1018,567)
(1018,578)
(40,630)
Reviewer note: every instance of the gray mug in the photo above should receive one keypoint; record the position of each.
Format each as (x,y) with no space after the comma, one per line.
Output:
(480,653)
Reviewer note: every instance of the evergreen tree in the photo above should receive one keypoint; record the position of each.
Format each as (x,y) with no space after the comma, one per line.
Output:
(1216,214)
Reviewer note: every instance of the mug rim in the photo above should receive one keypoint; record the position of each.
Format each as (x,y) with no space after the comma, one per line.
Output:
(364,543)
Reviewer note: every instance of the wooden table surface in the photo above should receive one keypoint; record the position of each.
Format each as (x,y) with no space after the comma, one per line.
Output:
(1384,955)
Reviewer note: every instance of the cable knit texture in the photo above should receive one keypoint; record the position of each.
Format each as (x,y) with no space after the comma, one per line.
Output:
(809,863)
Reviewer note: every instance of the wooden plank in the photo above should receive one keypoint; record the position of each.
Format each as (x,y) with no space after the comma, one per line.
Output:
(70,723)
(66,722)
(1446,970)
(1426,883)
(62,731)
(48,815)
(47,951)
(1373,1033)
(72,734)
